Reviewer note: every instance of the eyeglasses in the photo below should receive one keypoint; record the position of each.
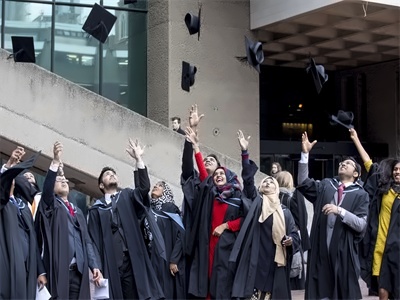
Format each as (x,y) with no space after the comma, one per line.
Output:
(347,162)
(62,180)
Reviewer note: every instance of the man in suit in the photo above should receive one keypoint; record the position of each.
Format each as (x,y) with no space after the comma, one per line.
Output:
(68,252)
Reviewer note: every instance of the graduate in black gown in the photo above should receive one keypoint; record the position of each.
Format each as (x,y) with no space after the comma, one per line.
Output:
(379,249)
(68,252)
(294,201)
(339,222)
(170,272)
(266,241)
(114,225)
(21,267)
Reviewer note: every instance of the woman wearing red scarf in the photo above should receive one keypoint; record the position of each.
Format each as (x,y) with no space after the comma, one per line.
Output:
(218,212)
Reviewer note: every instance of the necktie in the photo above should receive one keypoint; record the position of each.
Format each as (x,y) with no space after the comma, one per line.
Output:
(340,193)
(114,209)
(71,210)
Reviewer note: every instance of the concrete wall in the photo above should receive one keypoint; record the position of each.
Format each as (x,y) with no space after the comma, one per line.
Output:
(265,12)
(226,91)
(38,108)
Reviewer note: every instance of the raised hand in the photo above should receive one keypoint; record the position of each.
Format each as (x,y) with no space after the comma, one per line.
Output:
(135,150)
(243,142)
(15,157)
(57,152)
(191,136)
(353,134)
(306,146)
(194,118)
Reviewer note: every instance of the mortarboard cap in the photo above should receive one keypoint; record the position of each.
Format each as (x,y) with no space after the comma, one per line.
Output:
(99,23)
(193,23)
(188,73)
(318,74)
(23,49)
(344,118)
(8,176)
(129,1)
(254,53)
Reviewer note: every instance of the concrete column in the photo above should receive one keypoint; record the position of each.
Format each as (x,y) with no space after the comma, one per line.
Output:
(158,61)
(226,91)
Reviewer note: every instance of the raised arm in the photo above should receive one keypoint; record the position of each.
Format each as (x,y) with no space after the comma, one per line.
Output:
(248,168)
(187,157)
(306,147)
(306,186)
(364,155)
(14,159)
(143,182)
(49,181)
(193,138)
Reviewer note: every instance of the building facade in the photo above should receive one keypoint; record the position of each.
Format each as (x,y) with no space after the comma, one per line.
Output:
(139,69)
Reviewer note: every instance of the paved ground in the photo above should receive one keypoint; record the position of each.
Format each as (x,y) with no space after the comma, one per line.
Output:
(297,295)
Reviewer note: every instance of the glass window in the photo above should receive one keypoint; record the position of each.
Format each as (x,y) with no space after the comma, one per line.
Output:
(75,52)
(140,4)
(1,25)
(91,2)
(116,69)
(124,61)
(29,19)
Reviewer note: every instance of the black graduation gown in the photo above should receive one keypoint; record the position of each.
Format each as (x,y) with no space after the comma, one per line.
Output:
(190,182)
(299,212)
(171,228)
(245,253)
(51,224)
(295,203)
(333,273)
(131,212)
(389,277)
(220,284)
(18,278)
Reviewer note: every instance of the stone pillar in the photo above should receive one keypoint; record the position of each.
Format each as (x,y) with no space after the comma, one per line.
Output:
(226,91)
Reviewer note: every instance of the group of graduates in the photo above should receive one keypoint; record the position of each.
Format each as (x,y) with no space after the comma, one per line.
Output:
(230,239)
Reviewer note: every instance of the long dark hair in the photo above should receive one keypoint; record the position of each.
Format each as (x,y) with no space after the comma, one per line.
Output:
(385,170)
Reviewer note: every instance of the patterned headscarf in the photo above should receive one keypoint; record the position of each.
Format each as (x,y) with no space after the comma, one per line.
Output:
(167,196)
(156,204)
(232,184)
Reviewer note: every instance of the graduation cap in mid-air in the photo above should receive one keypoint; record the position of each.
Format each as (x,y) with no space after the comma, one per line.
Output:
(254,54)
(23,49)
(99,23)
(188,74)
(193,23)
(129,1)
(344,118)
(318,74)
